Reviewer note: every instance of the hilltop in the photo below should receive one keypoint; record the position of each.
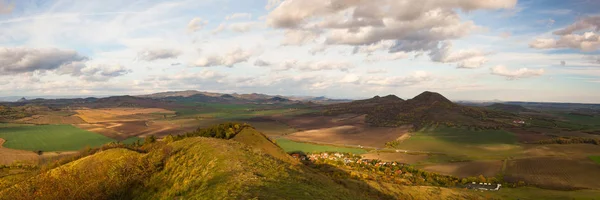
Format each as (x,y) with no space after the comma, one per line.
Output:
(365,106)
(424,109)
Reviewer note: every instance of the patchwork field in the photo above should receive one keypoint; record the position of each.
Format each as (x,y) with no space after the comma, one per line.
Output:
(561,150)
(351,135)
(50,138)
(315,121)
(467,169)
(122,114)
(474,144)
(51,119)
(555,173)
(292,146)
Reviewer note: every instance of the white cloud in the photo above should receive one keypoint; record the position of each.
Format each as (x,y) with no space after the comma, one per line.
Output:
(243,26)
(317,49)
(387,57)
(472,63)
(157,54)
(103,72)
(239,16)
(352,22)
(272,4)
(501,70)
(17,60)
(468,59)
(196,24)
(397,81)
(228,59)
(588,41)
(306,65)
(371,48)
(219,28)
(299,37)
(261,63)
(376,71)
(569,37)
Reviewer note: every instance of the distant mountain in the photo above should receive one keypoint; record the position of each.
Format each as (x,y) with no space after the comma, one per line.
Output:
(508,108)
(427,108)
(185,93)
(430,108)
(365,106)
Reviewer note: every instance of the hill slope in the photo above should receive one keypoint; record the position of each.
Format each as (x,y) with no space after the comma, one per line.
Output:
(365,106)
(246,167)
(433,108)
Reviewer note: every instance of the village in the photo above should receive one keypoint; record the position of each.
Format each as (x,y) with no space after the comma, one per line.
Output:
(394,168)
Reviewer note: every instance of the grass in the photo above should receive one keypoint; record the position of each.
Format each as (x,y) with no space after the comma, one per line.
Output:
(273,128)
(50,138)
(596,159)
(292,146)
(463,143)
(9,125)
(132,140)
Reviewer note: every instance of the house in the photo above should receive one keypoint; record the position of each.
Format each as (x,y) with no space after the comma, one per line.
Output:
(519,122)
(484,186)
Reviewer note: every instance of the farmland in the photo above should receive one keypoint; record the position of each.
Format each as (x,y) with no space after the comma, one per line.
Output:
(555,173)
(596,159)
(351,135)
(474,144)
(467,169)
(292,146)
(50,138)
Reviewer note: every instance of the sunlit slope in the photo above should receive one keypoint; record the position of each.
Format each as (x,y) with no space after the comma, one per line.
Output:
(261,143)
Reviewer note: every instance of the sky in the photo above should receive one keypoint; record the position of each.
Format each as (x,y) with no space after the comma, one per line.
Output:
(511,50)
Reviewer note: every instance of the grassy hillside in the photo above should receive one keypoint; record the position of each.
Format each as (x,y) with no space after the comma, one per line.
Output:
(293,146)
(261,143)
(246,167)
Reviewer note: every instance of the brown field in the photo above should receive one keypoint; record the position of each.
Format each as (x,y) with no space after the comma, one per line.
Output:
(555,173)
(51,119)
(529,136)
(398,157)
(127,129)
(561,150)
(9,156)
(351,135)
(121,114)
(313,121)
(467,169)
(122,123)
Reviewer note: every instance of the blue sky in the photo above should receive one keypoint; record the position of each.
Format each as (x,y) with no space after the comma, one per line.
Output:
(536,50)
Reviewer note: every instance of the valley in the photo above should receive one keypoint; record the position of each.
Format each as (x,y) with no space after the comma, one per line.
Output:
(428,132)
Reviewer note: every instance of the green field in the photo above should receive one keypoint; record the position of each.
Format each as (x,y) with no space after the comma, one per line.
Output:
(595,159)
(50,138)
(471,144)
(292,146)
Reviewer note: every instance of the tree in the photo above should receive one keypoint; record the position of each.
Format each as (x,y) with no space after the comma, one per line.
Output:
(150,139)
